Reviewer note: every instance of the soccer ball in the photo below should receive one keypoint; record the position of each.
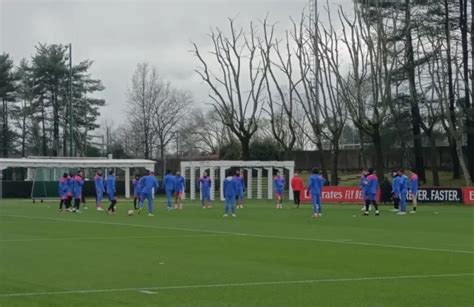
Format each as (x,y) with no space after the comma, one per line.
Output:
(131,212)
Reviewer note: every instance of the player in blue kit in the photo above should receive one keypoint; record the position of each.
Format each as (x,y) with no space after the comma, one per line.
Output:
(279,186)
(231,192)
(111,192)
(99,190)
(363,185)
(315,186)
(62,191)
(136,191)
(403,190)
(371,192)
(205,186)
(168,183)
(179,183)
(239,180)
(149,187)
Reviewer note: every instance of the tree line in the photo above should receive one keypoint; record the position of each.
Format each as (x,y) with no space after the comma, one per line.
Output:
(402,67)
(35,94)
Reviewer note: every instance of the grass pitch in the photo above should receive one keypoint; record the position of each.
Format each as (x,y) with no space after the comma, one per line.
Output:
(264,257)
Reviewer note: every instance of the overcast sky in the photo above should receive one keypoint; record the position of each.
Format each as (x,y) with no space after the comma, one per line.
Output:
(118,34)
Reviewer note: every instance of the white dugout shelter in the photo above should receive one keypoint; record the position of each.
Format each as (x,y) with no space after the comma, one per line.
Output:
(53,163)
(217,170)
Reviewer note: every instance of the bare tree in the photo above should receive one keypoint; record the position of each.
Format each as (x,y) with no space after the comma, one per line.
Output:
(141,96)
(237,104)
(439,81)
(280,78)
(155,109)
(308,95)
(366,88)
(168,107)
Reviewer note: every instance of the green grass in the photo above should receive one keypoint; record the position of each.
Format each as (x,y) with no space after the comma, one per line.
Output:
(265,257)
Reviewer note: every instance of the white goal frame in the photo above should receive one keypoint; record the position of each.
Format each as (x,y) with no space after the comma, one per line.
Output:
(222,166)
(94,163)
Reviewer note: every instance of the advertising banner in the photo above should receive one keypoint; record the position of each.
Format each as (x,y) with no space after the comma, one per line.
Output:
(468,195)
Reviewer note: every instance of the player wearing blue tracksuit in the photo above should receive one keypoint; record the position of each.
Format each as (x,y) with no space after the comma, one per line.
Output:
(78,183)
(403,190)
(239,180)
(205,186)
(178,190)
(414,189)
(62,191)
(168,183)
(279,186)
(371,192)
(231,191)
(149,187)
(315,186)
(136,191)
(111,192)
(396,191)
(140,193)
(99,189)
(70,190)
(363,186)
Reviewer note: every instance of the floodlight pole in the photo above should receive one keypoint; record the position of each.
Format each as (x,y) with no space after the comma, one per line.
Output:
(70,103)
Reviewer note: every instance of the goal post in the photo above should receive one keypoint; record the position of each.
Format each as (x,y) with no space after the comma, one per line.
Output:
(258,176)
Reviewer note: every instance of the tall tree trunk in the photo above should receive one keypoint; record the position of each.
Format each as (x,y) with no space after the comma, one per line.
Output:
(322,160)
(43,126)
(55,128)
(5,127)
(415,110)
(451,97)
(245,146)
(434,160)
(162,156)
(334,164)
(467,101)
(379,165)
(362,155)
(23,135)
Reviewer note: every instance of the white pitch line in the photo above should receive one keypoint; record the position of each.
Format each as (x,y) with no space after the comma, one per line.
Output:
(147,292)
(242,284)
(248,234)
(108,238)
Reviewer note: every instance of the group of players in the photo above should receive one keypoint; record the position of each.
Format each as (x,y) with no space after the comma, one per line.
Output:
(401,185)
(144,188)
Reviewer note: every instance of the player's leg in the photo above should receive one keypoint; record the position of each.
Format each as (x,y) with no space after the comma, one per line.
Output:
(376,206)
(68,202)
(414,201)
(314,205)
(232,206)
(149,199)
(77,204)
(110,209)
(318,201)
(403,203)
(168,199)
(226,206)
(367,206)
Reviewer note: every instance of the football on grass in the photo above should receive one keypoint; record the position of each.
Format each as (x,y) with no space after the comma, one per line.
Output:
(131,212)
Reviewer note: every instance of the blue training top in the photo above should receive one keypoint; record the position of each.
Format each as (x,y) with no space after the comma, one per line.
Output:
(230,187)
(110,184)
(279,183)
(149,183)
(168,182)
(315,184)
(178,184)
